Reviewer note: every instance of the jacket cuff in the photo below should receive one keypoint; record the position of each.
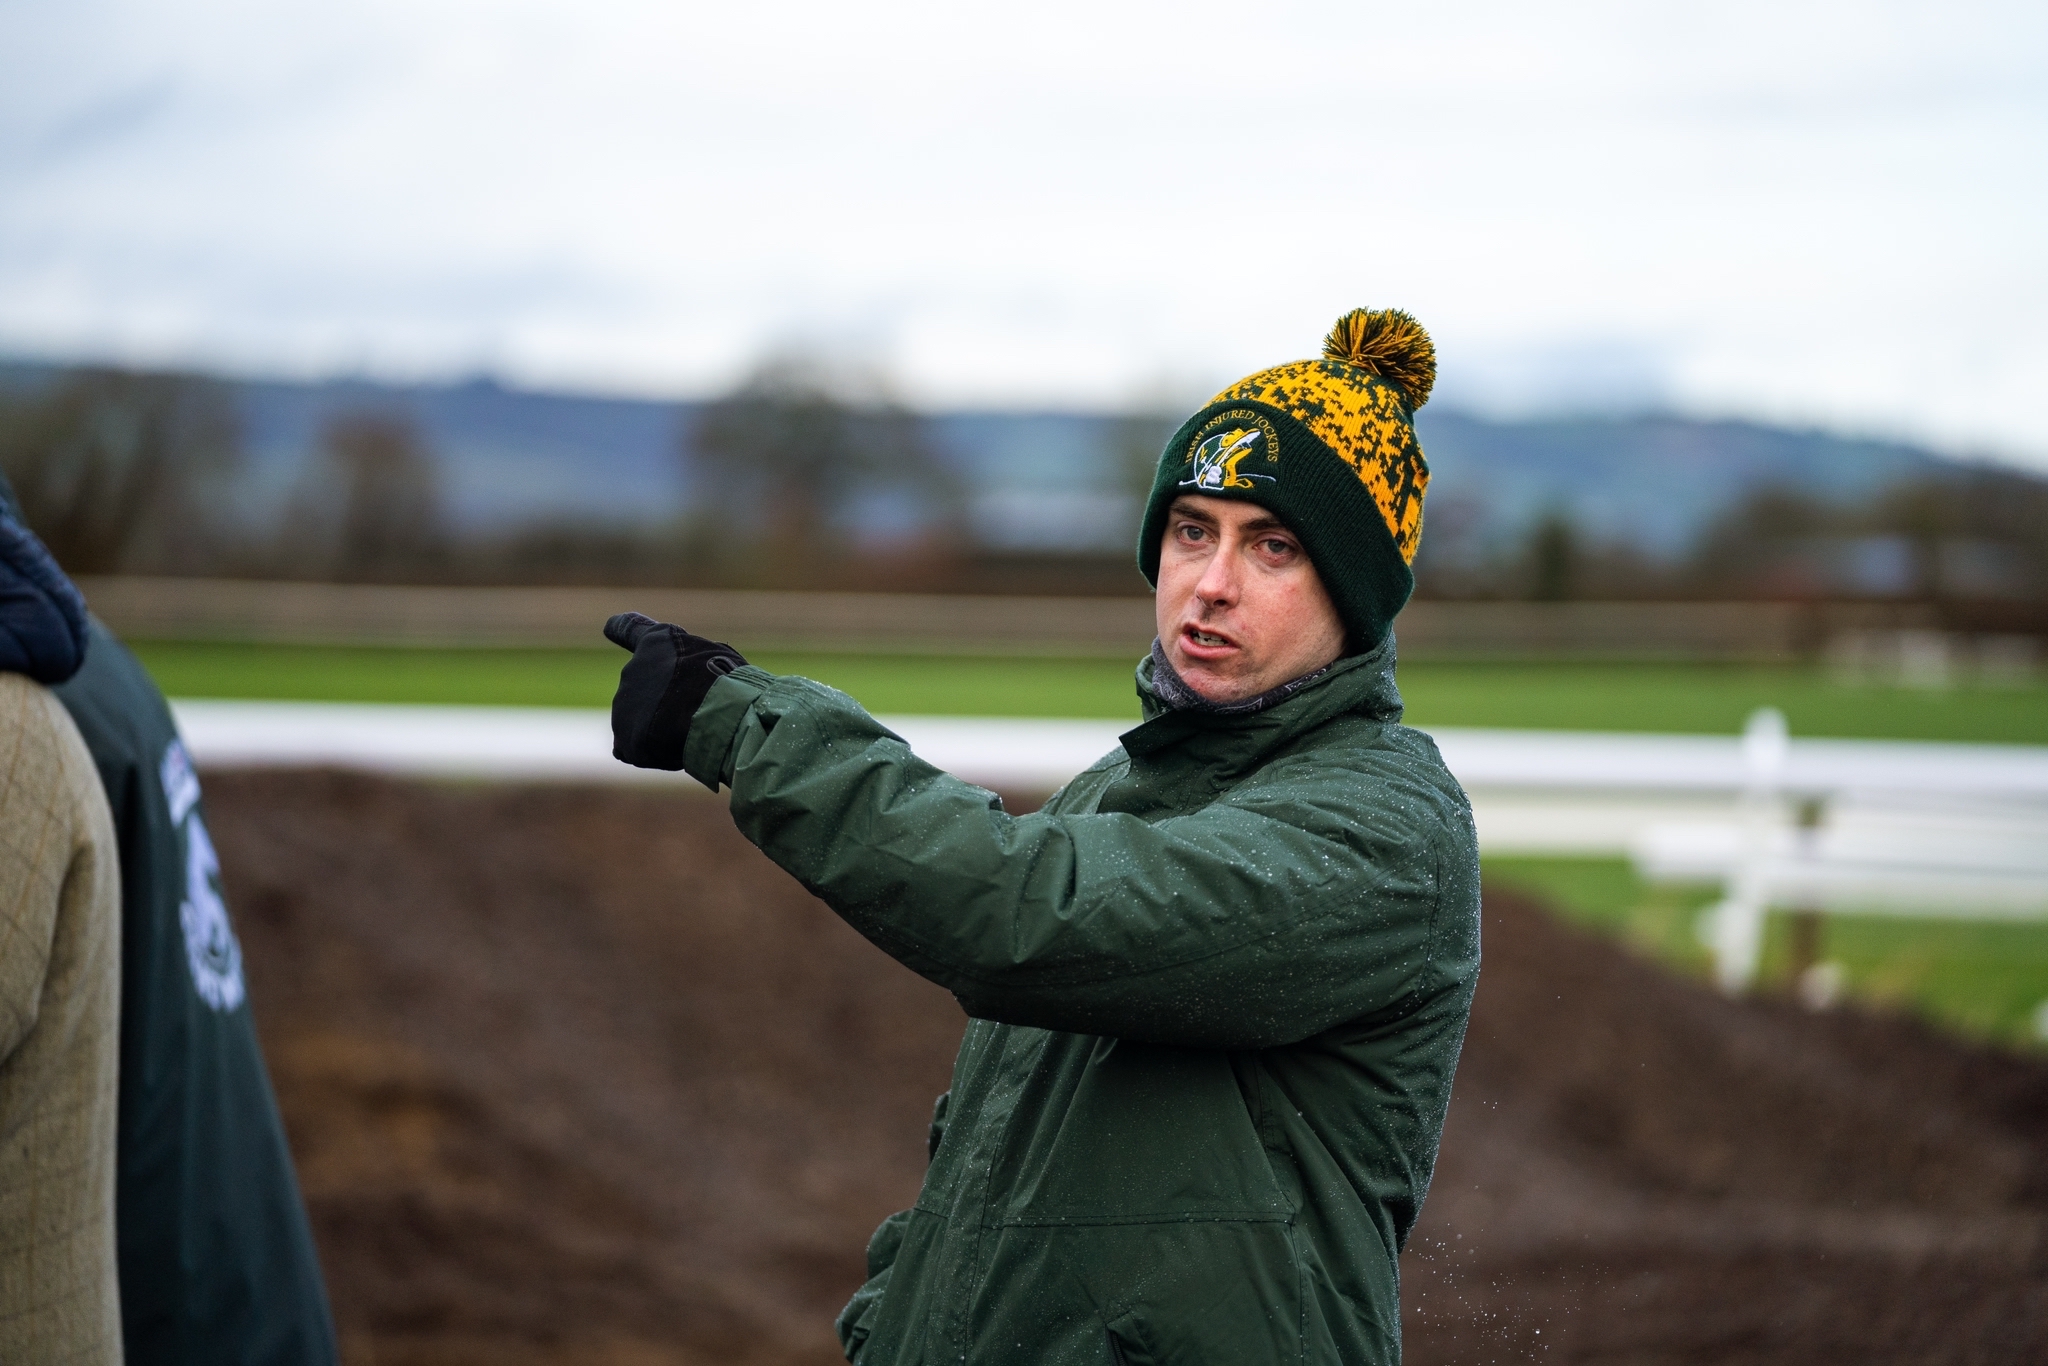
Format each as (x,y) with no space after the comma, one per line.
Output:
(707,750)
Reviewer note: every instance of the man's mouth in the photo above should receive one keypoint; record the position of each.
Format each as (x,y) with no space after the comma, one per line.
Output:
(1208,640)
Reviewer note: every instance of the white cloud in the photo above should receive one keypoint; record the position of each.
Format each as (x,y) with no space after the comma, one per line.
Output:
(1812,212)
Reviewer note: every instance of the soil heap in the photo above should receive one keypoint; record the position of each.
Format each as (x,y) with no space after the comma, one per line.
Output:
(576,1075)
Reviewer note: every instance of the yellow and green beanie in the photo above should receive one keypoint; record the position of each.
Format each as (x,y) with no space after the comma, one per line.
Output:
(1329,447)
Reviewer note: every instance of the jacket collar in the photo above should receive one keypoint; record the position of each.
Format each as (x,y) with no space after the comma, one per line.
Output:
(1360,683)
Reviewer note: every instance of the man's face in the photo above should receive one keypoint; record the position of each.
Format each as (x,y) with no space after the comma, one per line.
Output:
(1240,609)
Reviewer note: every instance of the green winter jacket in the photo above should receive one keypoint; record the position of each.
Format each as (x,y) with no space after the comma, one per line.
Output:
(1217,989)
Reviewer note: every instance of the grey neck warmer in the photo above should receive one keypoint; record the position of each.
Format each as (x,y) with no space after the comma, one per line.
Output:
(1176,694)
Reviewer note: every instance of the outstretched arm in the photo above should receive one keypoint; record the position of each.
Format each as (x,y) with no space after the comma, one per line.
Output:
(1281,910)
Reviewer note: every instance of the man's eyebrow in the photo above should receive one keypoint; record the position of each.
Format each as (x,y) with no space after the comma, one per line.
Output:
(1255,526)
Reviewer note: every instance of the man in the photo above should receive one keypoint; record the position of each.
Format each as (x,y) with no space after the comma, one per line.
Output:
(216,1258)
(1218,985)
(60,986)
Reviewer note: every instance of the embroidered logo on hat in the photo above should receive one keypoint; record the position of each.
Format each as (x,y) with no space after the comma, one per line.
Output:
(1222,447)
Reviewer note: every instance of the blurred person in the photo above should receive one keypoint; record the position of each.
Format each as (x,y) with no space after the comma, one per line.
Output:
(60,985)
(216,1257)
(1218,985)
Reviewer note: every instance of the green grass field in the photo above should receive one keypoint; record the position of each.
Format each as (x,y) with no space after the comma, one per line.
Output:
(1638,697)
(1985,980)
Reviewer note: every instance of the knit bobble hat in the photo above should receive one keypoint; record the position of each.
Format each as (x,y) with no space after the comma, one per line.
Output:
(1329,447)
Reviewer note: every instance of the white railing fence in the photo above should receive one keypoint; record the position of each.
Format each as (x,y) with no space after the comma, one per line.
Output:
(1841,826)
(1939,839)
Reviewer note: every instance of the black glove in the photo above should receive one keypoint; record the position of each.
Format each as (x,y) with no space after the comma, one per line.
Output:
(661,687)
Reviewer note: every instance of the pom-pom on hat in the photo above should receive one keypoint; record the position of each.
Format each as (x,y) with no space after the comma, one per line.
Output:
(1329,447)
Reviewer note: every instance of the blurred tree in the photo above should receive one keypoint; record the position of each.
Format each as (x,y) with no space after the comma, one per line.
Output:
(1743,551)
(1962,534)
(787,463)
(1553,559)
(119,471)
(2002,512)
(381,500)
(1926,513)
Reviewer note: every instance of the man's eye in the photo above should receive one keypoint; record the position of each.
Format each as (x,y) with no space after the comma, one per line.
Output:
(1278,548)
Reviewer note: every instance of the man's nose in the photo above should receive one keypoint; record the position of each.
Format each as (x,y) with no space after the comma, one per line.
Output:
(1218,584)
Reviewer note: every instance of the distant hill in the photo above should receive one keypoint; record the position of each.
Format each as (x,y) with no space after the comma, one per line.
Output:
(1045,480)
(1652,481)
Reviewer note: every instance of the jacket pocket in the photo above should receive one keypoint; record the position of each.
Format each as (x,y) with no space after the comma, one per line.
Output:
(1184,1292)
(1127,1343)
(1144,1134)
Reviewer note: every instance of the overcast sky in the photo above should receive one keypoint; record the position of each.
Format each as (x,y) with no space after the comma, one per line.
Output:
(1821,213)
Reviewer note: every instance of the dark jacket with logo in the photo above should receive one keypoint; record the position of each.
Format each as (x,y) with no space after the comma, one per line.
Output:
(1217,991)
(215,1257)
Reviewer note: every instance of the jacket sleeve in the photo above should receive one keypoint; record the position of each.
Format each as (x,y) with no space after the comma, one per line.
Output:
(37,845)
(1301,899)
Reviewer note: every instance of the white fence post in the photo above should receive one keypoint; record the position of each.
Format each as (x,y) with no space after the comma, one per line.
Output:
(1734,927)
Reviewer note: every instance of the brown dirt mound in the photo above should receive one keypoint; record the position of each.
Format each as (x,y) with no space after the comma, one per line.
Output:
(575,1075)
